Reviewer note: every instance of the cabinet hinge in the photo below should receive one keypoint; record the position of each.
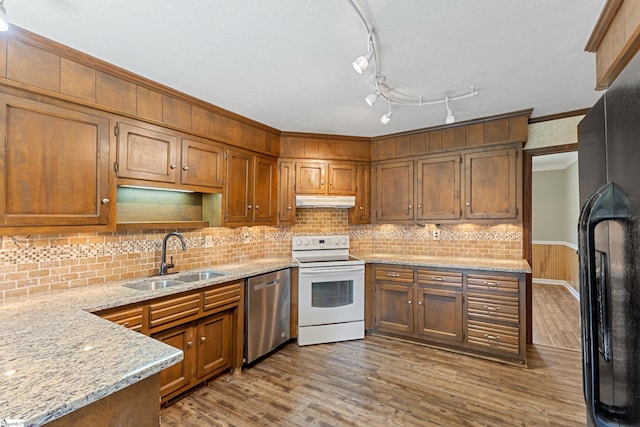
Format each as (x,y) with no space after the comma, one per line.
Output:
(115,166)
(460,158)
(116,130)
(516,211)
(226,154)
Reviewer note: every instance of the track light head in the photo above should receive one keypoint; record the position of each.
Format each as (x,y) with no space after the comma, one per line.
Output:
(450,118)
(4,22)
(372,98)
(362,62)
(386,118)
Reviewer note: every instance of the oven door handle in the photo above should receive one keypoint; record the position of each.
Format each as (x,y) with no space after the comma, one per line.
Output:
(314,271)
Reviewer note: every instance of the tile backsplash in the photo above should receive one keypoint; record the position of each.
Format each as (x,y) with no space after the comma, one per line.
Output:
(38,263)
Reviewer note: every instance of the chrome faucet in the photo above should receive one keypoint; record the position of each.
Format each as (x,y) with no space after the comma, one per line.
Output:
(163,262)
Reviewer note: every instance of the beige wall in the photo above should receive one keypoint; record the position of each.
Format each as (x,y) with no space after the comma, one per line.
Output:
(553,132)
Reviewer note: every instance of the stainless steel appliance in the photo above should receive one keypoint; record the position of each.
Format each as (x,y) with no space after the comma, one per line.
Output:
(267,313)
(609,168)
(330,290)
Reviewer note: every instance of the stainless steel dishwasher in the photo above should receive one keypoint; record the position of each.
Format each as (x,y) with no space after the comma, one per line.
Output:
(267,313)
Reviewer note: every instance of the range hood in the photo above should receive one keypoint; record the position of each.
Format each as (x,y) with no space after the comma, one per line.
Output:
(340,202)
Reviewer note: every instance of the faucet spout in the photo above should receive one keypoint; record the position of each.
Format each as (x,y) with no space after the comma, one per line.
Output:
(164,266)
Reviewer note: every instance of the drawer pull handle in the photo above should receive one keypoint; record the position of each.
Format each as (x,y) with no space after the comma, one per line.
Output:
(439,278)
(190,343)
(393,274)
(203,339)
(125,324)
(492,337)
(491,308)
(494,284)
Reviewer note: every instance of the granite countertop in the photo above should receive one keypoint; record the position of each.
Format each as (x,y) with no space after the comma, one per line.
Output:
(57,357)
(489,264)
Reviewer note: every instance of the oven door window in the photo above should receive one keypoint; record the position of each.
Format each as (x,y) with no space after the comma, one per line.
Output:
(337,293)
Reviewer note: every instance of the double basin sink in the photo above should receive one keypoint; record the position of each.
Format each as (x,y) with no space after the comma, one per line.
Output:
(156,283)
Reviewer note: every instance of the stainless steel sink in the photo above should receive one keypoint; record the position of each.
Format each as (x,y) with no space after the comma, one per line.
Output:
(201,275)
(152,284)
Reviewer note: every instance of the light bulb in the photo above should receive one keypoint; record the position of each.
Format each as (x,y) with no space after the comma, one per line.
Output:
(362,62)
(386,118)
(371,98)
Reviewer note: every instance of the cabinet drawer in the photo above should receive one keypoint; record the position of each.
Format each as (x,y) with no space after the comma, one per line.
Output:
(496,307)
(223,296)
(492,283)
(131,318)
(168,311)
(393,274)
(440,278)
(493,336)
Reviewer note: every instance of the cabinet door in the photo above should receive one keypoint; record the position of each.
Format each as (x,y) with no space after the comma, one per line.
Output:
(361,213)
(440,313)
(286,194)
(147,154)
(438,181)
(214,343)
(179,375)
(394,191)
(239,191)
(310,177)
(55,166)
(264,190)
(491,181)
(202,164)
(393,310)
(342,178)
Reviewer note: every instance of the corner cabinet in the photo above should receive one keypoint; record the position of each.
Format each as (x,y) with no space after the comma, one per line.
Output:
(286,193)
(480,313)
(479,185)
(56,168)
(251,189)
(361,212)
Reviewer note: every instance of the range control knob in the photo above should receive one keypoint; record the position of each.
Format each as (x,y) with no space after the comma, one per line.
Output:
(336,241)
(344,241)
(298,242)
(306,242)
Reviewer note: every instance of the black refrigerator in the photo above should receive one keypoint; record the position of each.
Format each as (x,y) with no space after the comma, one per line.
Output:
(609,171)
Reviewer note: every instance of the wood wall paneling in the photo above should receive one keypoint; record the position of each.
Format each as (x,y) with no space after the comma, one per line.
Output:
(474,135)
(555,262)
(518,128)
(225,129)
(360,150)
(403,146)
(496,132)
(176,112)
(435,140)
(311,148)
(419,143)
(77,80)
(453,138)
(200,120)
(386,149)
(116,93)
(149,104)
(292,147)
(33,66)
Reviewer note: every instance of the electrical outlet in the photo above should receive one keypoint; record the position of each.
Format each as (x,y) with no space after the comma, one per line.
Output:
(435,234)
(208,241)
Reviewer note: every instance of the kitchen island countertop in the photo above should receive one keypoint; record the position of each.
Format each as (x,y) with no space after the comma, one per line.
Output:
(57,357)
(488,264)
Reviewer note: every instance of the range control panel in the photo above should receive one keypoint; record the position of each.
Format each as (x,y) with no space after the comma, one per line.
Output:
(320,242)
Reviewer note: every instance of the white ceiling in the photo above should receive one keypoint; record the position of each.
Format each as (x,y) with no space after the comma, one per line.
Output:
(287,63)
(557,161)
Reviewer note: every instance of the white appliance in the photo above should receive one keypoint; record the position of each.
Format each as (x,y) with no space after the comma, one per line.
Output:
(330,290)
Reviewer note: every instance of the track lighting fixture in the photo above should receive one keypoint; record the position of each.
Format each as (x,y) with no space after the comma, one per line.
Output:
(4,22)
(450,119)
(386,91)
(372,98)
(386,118)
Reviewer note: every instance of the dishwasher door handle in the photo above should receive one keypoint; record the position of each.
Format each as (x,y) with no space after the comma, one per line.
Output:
(265,285)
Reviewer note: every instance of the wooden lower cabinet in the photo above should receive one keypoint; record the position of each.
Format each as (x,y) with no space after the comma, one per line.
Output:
(472,312)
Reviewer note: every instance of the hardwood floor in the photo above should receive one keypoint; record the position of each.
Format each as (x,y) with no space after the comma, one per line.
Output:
(556,317)
(379,381)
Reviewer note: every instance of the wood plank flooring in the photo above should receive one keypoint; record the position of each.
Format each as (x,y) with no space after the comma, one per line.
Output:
(383,382)
(556,317)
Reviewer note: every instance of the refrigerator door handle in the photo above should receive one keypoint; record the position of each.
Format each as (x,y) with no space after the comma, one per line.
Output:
(604,308)
(608,203)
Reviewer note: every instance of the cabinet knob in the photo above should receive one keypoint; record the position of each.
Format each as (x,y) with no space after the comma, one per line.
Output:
(203,339)
(419,205)
(330,182)
(185,168)
(419,302)
(410,206)
(321,182)
(409,301)
(288,208)
(190,344)
(105,201)
(249,207)
(257,207)
(468,204)
(361,208)
(173,166)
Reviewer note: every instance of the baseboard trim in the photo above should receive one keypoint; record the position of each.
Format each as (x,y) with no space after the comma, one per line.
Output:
(564,283)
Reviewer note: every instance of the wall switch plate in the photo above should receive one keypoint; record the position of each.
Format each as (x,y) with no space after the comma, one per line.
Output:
(435,234)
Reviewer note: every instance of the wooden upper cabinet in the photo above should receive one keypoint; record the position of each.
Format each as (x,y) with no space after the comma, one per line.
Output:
(239,187)
(264,186)
(310,177)
(55,167)
(202,164)
(286,193)
(394,191)
(438,187)
(492,184)
(342,178)
(149,154)
(361,213)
